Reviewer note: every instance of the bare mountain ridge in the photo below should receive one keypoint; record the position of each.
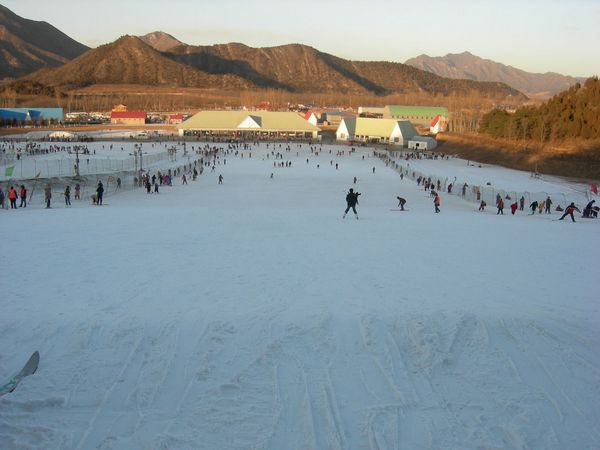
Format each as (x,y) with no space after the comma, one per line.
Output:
(161,41)
(468,66)
(129,60)
(300,68)
(27,45)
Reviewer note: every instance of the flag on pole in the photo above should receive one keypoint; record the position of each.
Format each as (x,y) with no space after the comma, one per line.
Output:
(9,171)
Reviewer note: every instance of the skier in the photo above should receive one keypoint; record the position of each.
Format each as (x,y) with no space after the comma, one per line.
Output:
(569,211)
(401,203)
(220,179)
(355,180)
(23,196)
(68,196)
(437,201)
(482,205)
(352,201)
(99,193)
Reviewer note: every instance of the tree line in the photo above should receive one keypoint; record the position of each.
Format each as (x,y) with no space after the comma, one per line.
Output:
(574,113)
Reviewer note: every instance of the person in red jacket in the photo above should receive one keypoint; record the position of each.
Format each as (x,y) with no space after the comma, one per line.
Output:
(437,201)
(23,195)
(569,211)
(12,196)
(513,208)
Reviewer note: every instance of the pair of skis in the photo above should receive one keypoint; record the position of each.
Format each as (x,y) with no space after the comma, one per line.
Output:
(28,369)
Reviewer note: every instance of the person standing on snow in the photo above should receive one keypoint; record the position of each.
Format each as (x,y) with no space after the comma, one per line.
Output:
(548,205)
(99,192)
(23,196)
(48,195)
(68,196)
(513,208)
(569,211)
(352,201)
(437,201)
(521,203)
(220,179)
(12,196)
(500,206)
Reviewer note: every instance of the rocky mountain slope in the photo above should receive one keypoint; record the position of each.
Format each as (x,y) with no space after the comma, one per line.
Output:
(468,66)
(27,45)
(161,41)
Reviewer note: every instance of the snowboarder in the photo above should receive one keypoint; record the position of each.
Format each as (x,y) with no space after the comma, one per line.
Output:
(437,201)
(569,211)
(401,203)
(99,193)
(352,201)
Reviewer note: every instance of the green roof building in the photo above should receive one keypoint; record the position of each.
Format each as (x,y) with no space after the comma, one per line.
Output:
(418,115)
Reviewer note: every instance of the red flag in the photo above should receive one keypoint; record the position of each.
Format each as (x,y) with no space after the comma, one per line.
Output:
(594,188)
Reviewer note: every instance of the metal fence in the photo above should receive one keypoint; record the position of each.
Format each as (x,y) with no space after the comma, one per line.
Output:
(476,193)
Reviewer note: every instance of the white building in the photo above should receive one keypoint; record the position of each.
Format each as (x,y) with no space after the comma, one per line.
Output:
(384,131)
(422,143)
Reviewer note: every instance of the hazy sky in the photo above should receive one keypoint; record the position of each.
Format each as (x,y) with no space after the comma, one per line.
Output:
(534,35)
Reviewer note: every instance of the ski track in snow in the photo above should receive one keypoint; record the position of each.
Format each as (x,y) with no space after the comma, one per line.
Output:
(251,316)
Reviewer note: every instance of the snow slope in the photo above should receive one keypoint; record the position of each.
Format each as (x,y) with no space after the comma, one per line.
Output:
(250,315)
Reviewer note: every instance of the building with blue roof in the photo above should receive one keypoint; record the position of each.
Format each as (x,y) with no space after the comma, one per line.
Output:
(32,114)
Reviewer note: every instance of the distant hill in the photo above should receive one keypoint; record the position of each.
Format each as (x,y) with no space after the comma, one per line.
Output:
(468,66)
(300,68)
(129,60)
(160,41)
(28,45)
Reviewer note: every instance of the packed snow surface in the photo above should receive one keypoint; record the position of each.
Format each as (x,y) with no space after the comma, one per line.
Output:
(250,315)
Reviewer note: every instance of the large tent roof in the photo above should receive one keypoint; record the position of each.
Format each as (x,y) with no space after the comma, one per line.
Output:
(246,120)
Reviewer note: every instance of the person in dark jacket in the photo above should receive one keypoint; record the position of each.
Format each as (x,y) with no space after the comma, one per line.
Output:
(533,207)
(99,193)
(352,201)
(588,208)
(569,211)
(68,196)
(547,205)
(401,203)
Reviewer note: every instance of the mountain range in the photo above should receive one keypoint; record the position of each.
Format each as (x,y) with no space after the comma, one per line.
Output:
(28,45)
(37,54)
(468,66)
